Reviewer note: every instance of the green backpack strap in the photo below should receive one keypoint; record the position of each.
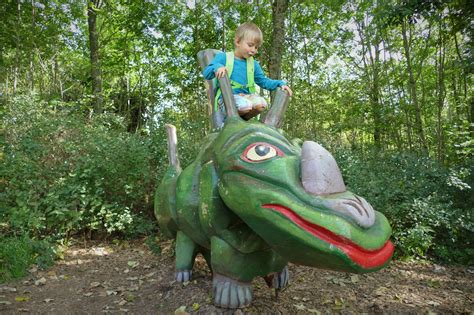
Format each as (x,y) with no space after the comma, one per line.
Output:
(251,75)
(229,64)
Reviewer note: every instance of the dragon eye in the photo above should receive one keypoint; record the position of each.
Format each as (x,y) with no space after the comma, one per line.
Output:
(258,152)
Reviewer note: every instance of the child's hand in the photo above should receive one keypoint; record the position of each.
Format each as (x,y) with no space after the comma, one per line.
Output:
(287,89)
(221,72)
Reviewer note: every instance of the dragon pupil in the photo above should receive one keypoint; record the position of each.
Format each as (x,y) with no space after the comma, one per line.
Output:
(262,150)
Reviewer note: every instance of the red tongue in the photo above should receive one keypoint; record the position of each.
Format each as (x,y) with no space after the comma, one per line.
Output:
(367,259)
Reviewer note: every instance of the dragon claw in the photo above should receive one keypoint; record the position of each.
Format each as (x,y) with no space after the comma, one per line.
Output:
(281,279)
(183,275)
(230,293)
(278,280)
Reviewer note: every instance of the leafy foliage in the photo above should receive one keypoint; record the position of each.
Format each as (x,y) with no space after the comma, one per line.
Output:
(424,201)
(64,174)
(17,254)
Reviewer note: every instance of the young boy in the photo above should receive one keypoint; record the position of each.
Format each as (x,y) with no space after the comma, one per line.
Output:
(248,39)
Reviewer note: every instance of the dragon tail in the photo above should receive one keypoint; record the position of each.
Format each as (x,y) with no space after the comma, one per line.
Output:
(174,167)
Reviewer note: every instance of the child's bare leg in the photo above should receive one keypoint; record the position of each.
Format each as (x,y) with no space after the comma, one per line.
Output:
(258,105)
(243,105)
(254,112)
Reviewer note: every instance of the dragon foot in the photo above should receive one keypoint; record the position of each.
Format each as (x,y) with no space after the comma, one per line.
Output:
(230,293)
(278,280)
(183,275)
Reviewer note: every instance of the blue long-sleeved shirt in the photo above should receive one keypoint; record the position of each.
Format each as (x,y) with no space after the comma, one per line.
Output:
(239,73)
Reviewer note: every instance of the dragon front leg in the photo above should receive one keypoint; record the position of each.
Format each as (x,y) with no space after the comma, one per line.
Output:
(233,272)
(185,254)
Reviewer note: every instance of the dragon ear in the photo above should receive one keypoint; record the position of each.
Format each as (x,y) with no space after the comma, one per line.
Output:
(277,111)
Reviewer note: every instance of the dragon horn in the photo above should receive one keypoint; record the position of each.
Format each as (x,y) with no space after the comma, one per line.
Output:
(277,111)
(228,97)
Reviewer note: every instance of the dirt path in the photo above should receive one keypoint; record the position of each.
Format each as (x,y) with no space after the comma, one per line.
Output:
(129,278)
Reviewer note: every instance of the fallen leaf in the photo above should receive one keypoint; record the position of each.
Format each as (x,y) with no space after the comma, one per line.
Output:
(380,291)
(196,306)
(5,303)
(314,311)
(22,298)
(133,288)
(181,311)
(354,278)
(122,302)
(130,298)
(300,307)
(434,283)
(94,284)
(33,269)
(41,281)
(133,264)
(439,269)
(48,300)
(433,303)
(338,301)
(111,292)
(7,289)
(88,294)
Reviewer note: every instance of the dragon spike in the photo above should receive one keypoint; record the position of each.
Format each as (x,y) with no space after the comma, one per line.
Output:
(228,97)
(277,111)
(172,145)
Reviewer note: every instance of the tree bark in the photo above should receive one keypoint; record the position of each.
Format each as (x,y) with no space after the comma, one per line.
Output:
(279,10)
(373,78)
(97,102)
(441,92)
(412,89)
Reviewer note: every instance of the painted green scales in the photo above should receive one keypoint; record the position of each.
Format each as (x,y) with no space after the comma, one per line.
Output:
(252,201)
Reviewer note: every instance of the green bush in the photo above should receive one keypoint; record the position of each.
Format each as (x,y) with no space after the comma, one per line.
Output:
(17,254)
(428,205)
(63,173)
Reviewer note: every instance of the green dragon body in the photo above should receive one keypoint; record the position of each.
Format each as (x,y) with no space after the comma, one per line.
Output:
(252,201)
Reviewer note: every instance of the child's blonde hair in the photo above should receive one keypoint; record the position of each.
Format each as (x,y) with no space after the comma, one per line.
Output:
(249,31)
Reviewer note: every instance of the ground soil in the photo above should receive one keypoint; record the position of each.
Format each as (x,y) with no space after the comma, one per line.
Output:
(127,278)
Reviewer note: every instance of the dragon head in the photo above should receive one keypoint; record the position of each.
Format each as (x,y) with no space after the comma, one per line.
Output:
(294,198)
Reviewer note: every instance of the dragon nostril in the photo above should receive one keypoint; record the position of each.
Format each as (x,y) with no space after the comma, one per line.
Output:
(357,208)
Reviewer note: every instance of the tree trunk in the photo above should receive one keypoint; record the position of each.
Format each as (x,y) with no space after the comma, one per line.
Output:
(32,48)
(373,79)
(279,9)
(92,7)
(441,93)
(412,89)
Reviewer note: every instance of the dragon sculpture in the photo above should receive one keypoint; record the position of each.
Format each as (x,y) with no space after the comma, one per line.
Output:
(253,201)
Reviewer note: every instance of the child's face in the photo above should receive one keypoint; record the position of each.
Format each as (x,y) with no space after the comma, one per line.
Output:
(245,48)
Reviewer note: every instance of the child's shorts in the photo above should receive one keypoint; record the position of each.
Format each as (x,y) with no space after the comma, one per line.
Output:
(246,101)
(249,101)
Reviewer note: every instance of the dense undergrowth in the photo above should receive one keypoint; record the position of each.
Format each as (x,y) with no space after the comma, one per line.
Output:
(63,175)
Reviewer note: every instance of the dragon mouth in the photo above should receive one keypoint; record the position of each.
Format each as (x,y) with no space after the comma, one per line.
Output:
(367,259)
